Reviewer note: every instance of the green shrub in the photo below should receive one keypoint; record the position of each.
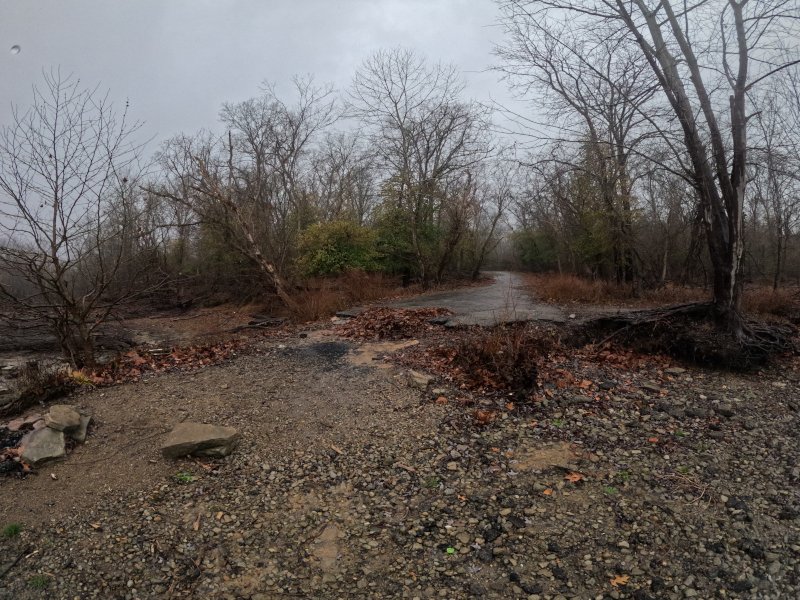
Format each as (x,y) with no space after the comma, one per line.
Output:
(335,247)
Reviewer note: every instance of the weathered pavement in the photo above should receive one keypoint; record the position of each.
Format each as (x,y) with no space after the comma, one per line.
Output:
(503,301)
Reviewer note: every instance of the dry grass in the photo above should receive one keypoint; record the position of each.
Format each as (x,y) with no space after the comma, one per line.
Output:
(500,359)
(571,289)
(763,300)
(323,297)
(35,384)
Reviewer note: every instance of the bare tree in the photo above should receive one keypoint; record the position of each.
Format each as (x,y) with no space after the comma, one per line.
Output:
(254,182)
(343,183)
(775,165)
(65,166)
(598,95)
(708,58)
(428,139)
(494,193)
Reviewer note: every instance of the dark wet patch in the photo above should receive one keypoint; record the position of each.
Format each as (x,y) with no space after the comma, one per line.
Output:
(329,354)
(330,350)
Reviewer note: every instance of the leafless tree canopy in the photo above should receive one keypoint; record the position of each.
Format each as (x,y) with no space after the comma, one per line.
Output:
(68,167)
(603,61)
(658,142)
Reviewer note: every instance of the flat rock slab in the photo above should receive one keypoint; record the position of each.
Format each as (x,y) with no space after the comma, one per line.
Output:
(63,417)
(43,445)
(199,439)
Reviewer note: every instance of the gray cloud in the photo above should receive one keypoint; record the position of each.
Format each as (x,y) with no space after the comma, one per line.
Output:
(177,61)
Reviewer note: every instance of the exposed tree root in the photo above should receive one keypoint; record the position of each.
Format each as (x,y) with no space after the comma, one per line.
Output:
(690,332)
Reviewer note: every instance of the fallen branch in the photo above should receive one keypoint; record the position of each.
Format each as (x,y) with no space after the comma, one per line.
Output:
(13,564)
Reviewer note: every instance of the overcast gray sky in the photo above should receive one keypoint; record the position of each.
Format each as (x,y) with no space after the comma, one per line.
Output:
(177,61)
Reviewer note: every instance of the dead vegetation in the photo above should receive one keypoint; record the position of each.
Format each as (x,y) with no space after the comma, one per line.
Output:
(503,359)
(322,297)
(383,323)
(565,289)
(36,383)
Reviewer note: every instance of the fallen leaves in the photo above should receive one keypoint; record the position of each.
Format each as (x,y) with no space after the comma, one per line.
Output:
(574,477)
(383,323)
(131,365)
(483,417)
(620,580)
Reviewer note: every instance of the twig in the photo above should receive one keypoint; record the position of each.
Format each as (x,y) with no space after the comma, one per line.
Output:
(14,562)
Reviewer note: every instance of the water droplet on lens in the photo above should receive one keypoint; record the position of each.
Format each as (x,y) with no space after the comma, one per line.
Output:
(15,49)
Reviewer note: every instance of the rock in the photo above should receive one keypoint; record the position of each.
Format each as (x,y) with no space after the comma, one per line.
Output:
(418,380)
(675,371)
(485,554)
(43,445)
(63,417)
(4,390)
(199,439)
(31,419)
(15,425)
(79,435)
(726,410)
(676,412)
(650,387)
(696,412)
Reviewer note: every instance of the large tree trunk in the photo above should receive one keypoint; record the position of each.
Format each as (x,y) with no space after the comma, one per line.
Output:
(721,193)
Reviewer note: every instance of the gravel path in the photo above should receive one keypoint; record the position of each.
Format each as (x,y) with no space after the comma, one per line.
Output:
(350,483)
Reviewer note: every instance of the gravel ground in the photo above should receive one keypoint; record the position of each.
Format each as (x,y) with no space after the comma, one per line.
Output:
(350,483)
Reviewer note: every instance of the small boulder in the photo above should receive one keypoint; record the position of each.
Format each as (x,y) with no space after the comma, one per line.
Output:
(42,445)
(199,439)
(63,417)
(726,410)
(418,380)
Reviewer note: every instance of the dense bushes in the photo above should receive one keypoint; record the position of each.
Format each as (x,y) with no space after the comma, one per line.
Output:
(335,247)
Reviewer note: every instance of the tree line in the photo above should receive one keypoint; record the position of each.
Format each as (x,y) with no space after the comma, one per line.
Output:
(660,143)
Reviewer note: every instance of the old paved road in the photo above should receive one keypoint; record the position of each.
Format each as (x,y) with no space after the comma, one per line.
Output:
(503,301)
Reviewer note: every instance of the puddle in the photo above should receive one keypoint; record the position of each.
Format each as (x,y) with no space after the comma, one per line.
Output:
(370,354)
